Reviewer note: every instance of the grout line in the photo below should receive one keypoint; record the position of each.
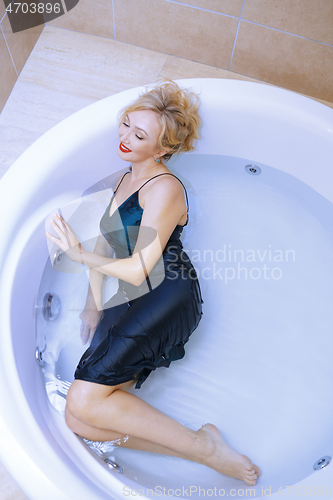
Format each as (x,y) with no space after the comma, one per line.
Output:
(9,50)
(287,33)
(238,25)
(63,6)
(88,34)
(213,12)
(200,8)
(114,21)
(198,62)
(171,55)
(5,11)
(246,21)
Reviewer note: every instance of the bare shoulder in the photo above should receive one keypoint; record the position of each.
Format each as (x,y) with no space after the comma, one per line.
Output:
(166,187)
(119,180)
(165,199)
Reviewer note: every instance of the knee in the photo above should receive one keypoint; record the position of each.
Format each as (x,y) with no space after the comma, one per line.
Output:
(71,422)
(78,404)
(86,400)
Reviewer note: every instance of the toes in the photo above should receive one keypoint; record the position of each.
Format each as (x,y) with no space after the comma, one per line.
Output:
(248,465)
(250,482)
(251,473)
(257,470)
(250,477)
(252,468)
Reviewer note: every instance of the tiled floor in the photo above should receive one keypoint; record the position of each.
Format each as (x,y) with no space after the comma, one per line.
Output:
(66,71)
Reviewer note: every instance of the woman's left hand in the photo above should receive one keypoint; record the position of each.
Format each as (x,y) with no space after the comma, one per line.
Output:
(66,241)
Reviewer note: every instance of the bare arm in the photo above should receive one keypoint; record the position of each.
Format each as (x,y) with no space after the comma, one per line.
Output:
(96,278)
(164,206)
(93,310)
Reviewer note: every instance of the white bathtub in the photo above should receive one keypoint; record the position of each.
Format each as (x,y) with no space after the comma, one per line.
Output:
(284,133)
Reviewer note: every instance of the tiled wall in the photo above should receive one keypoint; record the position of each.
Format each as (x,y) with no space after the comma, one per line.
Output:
(15,49)
(288,43)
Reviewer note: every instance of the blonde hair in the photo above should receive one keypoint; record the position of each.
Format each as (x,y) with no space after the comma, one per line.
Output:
(177,110)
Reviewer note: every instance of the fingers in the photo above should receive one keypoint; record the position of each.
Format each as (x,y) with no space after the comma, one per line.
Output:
(57,229)
(92,332)
(64,230)
(66,238)
(84,333)
(67,232)
(59,223)
(51,237)
(64,223)
(57,241)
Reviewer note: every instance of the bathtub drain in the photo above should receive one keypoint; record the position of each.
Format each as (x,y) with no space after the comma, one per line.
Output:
(51,306)
(253,169)
(99,448)
(322,462)
(57,258)
(113,465)
(39,356)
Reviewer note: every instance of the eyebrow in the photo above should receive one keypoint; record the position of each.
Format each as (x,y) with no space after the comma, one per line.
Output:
(138,128)
(142,130)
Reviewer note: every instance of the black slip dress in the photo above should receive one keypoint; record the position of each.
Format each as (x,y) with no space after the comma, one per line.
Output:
(144,327)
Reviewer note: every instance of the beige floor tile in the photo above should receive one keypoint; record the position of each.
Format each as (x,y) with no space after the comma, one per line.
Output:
(2,9)
(194,34)
(309,18)
(91,17)
(8,73)
(87,66)
(176,68)
(230,7)
(8,488)
(60,78)
(326,103)
(21,43)
(284,60)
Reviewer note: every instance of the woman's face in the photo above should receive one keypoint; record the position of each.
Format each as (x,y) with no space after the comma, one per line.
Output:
(138,136)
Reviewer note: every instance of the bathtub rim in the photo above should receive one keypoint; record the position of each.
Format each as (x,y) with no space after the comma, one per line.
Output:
(322,115)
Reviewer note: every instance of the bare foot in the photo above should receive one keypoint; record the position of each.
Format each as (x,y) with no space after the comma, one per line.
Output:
(222,458)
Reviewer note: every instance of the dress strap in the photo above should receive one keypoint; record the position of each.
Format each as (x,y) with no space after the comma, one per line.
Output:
(166,173)
(120,182)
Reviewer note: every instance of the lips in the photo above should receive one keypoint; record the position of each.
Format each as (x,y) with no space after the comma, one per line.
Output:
(124,149)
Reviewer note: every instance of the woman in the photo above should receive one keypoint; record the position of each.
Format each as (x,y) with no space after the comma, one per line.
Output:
(146,324)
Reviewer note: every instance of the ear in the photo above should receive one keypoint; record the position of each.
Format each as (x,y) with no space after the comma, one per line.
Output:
(163,152)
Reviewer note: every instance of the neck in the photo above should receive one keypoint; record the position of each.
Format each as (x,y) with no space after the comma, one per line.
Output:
(146,169)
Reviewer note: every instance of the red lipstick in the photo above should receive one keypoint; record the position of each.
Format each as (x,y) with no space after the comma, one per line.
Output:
(124,149)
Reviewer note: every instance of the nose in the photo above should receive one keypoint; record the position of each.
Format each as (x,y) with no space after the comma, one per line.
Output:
(125,135)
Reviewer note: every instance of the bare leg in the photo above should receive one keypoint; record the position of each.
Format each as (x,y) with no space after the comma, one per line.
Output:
(107,408)
(125,441)
(95,434)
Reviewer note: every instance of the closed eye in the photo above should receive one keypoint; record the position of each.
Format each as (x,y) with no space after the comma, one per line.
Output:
(141,138)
